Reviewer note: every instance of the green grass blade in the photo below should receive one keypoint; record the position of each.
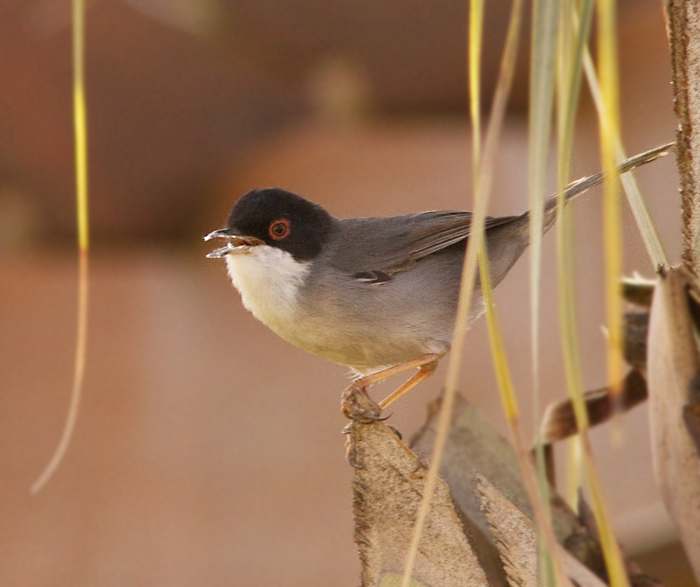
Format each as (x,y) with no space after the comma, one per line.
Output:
(544,39)
(647,230)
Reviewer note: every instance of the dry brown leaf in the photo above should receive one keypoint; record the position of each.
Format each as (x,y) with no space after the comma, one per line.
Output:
(388,487)
(672,371)
(458,546)
(474,445)
(638,291)
(559,420)
(516,540)
(514,535)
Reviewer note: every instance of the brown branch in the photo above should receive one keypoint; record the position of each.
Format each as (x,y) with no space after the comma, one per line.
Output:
(684,40)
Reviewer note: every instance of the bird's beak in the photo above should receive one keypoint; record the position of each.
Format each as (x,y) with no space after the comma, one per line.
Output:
(235,244)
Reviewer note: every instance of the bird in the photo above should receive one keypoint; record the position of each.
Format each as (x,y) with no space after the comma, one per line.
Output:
(378,295)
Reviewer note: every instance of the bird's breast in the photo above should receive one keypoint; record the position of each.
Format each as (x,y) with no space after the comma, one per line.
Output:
(269,280)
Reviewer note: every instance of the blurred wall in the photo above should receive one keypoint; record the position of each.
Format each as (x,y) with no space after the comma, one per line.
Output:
(208,451)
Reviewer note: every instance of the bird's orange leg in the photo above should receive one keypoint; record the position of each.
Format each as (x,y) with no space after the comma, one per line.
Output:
(424,371)
(359,410)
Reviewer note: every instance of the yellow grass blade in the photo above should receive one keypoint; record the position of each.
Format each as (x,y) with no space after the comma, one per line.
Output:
(482,181)
(574,471)
(571,45)
(476,27)
(647,230)
(609,133)
(609,126)
(80,124)
(657,254)
(510,407)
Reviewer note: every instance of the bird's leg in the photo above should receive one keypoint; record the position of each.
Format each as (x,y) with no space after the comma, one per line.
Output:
(424,371)
(356,403)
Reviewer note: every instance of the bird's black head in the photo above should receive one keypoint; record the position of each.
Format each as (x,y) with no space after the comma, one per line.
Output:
(282,219)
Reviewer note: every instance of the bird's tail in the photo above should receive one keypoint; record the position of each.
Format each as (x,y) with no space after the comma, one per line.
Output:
(582,185)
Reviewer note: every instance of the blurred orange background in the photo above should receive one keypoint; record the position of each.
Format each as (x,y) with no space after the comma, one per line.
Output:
(208,451)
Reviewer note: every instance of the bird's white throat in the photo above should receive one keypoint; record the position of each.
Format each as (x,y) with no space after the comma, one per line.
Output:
(268,280)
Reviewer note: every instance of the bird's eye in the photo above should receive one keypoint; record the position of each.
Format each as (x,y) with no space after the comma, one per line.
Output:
(279,229)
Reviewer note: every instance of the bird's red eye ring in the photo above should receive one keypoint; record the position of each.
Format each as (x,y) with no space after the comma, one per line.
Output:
(279,229)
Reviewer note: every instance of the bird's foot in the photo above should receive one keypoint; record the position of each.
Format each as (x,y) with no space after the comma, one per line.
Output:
(357,406)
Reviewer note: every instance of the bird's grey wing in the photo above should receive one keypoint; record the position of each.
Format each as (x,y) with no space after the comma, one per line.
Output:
(378,248)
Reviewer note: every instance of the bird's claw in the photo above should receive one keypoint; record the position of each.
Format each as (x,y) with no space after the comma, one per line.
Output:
(357,406)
